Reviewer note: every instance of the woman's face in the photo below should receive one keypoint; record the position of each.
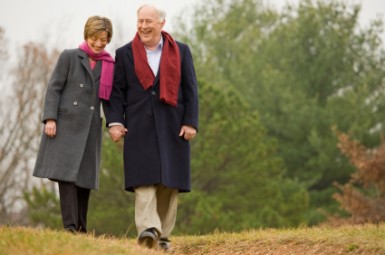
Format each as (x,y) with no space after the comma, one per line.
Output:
(98,42)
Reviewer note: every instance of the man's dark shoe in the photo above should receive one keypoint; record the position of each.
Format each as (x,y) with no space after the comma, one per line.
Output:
(148,238)
(164,244)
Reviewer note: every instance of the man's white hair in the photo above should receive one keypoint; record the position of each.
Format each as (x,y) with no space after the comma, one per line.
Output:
(161,13)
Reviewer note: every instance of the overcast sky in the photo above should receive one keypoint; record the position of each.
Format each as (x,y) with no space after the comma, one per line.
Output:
(59,23)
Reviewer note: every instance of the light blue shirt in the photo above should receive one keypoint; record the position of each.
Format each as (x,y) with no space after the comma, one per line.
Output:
(153,57)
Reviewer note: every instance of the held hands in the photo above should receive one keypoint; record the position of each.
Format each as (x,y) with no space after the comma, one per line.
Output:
(117,132)
(187,132)
(50,128)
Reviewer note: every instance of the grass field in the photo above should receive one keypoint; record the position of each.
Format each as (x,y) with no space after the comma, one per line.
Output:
(364,239)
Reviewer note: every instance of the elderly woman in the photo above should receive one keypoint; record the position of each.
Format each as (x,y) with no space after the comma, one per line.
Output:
(70,146)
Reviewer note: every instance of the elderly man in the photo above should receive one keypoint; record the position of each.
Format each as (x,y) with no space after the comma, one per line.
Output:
(154,105)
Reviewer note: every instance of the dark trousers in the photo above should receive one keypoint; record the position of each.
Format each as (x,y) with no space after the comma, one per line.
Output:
(74,206)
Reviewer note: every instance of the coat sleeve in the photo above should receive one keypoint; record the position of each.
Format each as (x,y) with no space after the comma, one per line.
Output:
(114,108)
(55,86)
(189,89)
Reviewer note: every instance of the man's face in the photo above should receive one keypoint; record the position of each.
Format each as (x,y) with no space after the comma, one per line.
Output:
(149,27)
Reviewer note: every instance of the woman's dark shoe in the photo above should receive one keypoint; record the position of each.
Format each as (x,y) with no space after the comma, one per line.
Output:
(71,230)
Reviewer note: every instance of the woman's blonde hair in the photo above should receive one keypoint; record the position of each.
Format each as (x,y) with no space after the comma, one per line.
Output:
(97,24)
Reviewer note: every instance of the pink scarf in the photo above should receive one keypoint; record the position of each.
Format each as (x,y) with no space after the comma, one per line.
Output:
(107,75)
(169,68)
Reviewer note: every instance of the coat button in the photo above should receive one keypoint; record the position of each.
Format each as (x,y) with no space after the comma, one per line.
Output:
(81,85)
(92,107)
(76,103)
(153,92)
(149,114)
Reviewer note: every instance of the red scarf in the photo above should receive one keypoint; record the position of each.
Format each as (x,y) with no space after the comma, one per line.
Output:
(107,75)
(169,68)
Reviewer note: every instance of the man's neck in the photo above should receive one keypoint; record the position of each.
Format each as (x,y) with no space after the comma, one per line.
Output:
(154,46)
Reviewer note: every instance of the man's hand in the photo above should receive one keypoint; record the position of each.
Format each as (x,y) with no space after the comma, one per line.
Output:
(187,132)
(117,132)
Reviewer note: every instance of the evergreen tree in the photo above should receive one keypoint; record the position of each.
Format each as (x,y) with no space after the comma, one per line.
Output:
(44,208)
(303,70)
(238,181)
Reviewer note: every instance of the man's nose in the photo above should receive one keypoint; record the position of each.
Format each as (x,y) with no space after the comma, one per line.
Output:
(145,24)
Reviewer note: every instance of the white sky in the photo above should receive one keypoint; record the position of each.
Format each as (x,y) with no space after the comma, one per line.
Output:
(59,23)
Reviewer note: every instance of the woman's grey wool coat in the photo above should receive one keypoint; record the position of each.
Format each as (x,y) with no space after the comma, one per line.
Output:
(73,155)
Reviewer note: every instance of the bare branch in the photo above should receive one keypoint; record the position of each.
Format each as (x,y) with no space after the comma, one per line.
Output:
(20,123)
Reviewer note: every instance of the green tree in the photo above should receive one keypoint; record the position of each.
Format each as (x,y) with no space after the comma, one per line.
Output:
(238,182)
(303,70)
(44,208)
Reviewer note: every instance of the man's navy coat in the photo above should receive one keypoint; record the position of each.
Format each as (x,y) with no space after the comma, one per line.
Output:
(153,151)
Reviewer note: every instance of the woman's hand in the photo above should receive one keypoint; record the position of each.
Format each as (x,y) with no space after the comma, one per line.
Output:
(50,128)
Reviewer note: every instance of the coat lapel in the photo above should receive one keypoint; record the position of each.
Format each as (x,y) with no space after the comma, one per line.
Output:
(129,53)
(85,62)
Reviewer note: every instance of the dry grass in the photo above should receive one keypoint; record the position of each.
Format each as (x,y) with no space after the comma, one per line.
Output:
(364,239)
(29,241)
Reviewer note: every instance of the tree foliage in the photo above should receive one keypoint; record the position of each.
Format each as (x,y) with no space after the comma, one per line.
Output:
(43,207)
(363,196)
(238,181)
(304,70)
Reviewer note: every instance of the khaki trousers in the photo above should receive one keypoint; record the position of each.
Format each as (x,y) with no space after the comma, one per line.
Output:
(155,207)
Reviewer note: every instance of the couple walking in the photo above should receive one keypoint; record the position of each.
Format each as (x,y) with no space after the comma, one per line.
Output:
(149,97)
